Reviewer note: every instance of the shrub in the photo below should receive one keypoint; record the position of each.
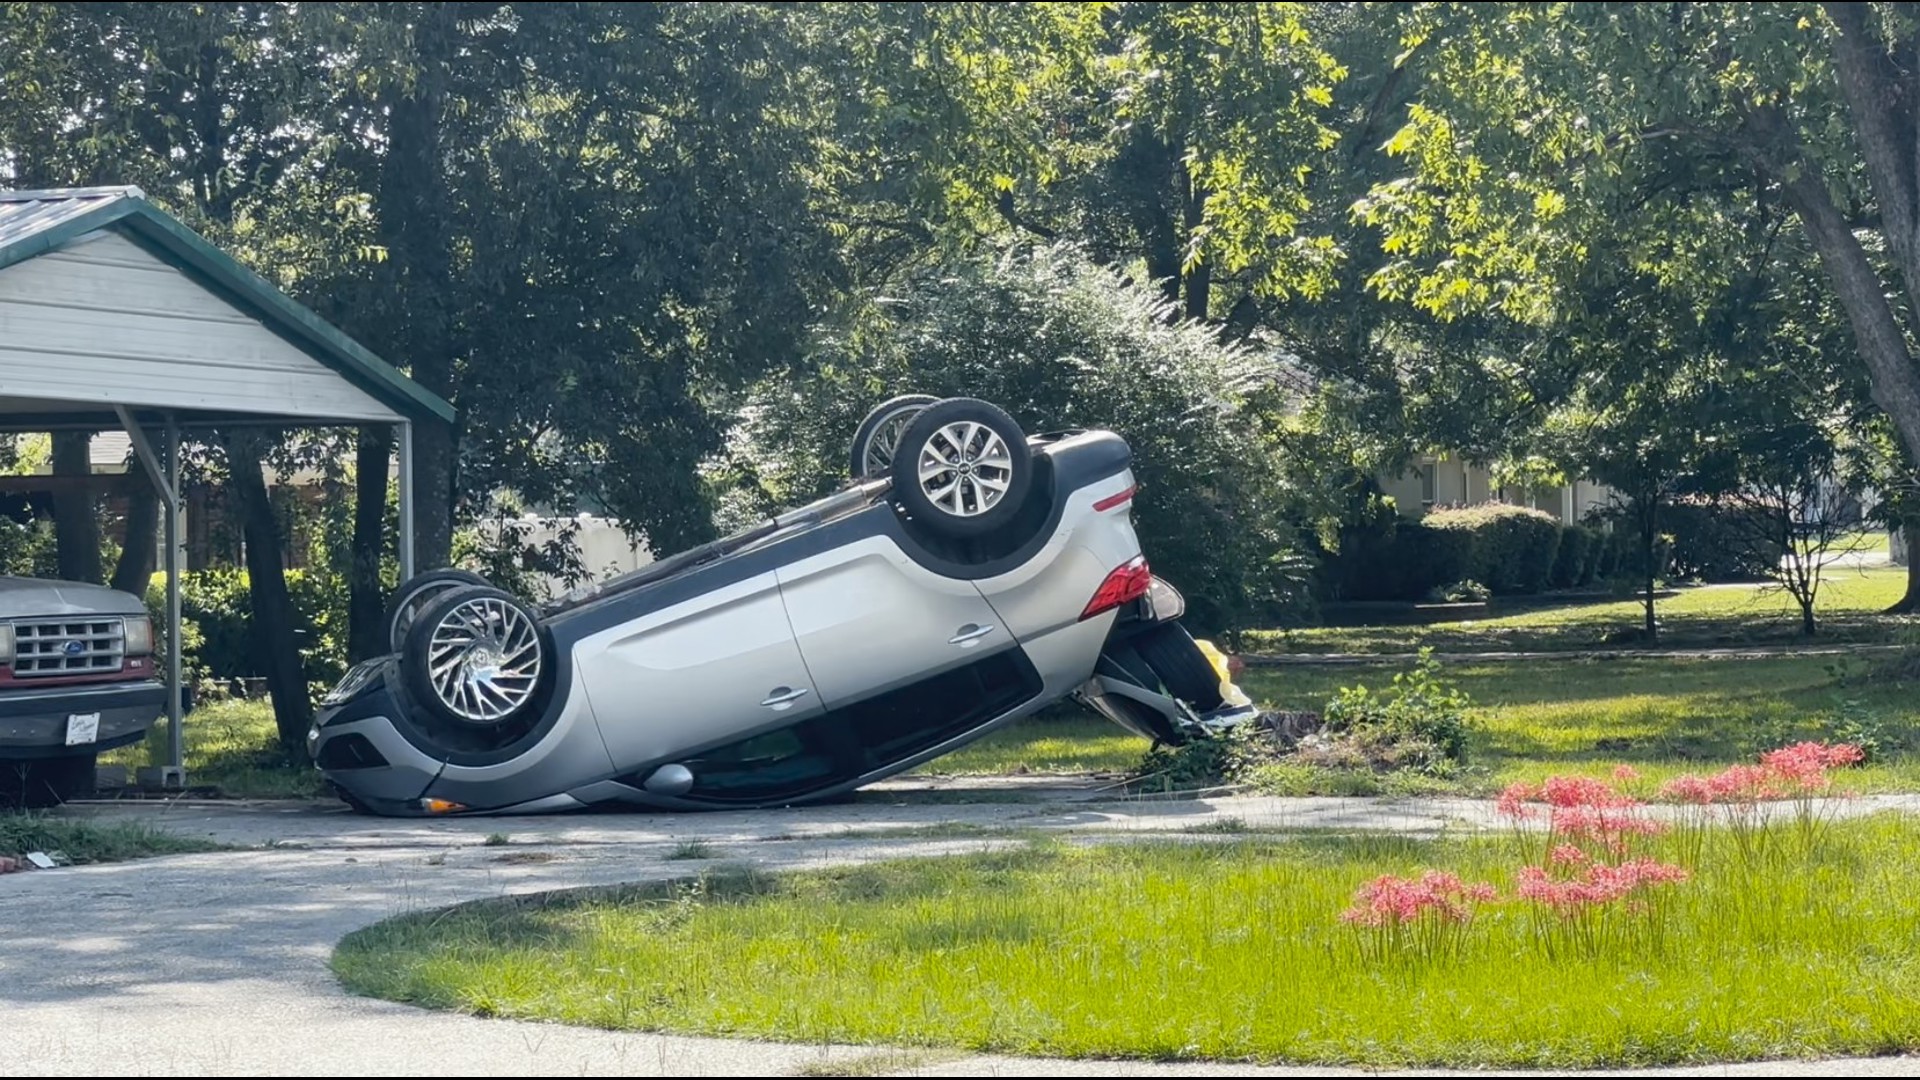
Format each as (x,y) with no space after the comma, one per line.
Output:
(1720,543)
(1062,342)
(1571,560)
(1512,548)
(27,549)
(1596,555)
(1459,592)
(1393,558)
(216,608)
(1627,559)
(1421,708)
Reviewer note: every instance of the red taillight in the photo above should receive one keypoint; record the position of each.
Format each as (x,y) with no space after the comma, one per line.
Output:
(1129,581)
(1115,499)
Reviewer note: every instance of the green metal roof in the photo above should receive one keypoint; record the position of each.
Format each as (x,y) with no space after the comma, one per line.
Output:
(36,222)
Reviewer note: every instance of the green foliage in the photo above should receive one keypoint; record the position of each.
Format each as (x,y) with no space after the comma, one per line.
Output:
(84,841)
(1468,591)
(1511,548)
(1423,714)
(1627,559)
(27,550)
(1572,559)
(1714,542)
(216,609)
(1062,343)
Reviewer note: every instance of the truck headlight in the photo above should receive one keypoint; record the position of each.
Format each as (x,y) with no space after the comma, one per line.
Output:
(6,643)
(139,641)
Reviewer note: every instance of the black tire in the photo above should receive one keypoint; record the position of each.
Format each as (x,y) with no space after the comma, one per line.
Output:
(39,783)
(1183,669)
(514,671)
(997,454)
(888,417)
(416,593)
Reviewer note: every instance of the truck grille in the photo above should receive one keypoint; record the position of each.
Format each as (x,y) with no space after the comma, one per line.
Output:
(68,647)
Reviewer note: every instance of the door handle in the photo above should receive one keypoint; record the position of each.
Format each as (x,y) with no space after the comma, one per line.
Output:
(969,634)
(783,697)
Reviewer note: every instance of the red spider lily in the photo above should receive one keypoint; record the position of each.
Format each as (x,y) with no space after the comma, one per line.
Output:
(1581,808)
(1688,789)
(1797,770)
(1595,884)
(1625,774)
(1567,853)
(1395,901)
(1805,764)
(1610,826)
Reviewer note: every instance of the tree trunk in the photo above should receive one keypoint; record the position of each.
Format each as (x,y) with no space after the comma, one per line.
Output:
(76,526)
(134,572)
(1891,371)
(1199,277)
(1880,101)
(415,220)
(367,599)
(1807,625)
(1910,532)
(1648,523)
(273,615)
(1145,180)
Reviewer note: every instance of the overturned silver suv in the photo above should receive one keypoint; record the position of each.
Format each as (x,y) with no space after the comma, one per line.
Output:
(76,678)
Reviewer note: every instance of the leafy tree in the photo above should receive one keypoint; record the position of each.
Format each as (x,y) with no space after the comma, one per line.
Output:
(1538,131)
(1063,343)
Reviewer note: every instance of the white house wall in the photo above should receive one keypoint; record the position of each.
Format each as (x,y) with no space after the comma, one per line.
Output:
(1456,483)
(102,320)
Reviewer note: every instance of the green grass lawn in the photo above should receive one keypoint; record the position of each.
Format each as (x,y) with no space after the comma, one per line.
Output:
(1872,540)
(231,745)
(1664,716)
(1227,949)
(1700,617)
(1061,741)
(83,841)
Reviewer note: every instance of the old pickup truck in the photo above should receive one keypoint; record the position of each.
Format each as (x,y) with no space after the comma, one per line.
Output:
(76,677)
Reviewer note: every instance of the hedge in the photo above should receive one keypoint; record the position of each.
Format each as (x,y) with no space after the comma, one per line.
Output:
(1720,543)
(1624,558)
(1512,548)
(1570,564)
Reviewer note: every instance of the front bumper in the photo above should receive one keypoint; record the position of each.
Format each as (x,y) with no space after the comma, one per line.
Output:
(33,721)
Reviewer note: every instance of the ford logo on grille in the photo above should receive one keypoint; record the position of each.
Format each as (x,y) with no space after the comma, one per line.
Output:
(73,648)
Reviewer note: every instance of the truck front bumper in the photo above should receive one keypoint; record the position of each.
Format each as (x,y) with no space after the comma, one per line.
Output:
(33,721)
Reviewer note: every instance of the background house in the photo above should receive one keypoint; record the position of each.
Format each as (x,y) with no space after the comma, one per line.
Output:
(1449,480)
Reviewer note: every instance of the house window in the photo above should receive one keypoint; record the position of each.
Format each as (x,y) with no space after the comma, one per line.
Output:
(1426,485)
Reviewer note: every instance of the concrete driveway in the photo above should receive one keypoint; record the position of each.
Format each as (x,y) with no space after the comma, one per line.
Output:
(216,964)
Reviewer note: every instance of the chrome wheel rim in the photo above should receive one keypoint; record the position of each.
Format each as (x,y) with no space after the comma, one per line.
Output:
(885,442)
(484,659)
(965,469)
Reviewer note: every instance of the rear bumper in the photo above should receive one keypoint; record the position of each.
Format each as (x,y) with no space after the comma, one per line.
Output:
(33,722)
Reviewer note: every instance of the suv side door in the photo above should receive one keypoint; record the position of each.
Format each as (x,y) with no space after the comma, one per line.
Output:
(870,619)
(719,665)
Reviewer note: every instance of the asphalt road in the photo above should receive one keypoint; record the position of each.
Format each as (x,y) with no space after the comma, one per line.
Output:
(216,963)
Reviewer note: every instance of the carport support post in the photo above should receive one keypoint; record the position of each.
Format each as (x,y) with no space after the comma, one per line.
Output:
(163,469)
(176,739)
(406,500)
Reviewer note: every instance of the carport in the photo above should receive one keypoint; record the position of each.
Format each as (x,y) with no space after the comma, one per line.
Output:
(114,315)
